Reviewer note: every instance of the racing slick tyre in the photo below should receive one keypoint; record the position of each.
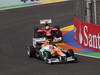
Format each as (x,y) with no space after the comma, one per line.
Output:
(46,57)
(38,54)
(58,33)
(31,51)
(71,53)
(58,28)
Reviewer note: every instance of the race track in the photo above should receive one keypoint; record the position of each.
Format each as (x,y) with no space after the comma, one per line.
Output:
(16,34)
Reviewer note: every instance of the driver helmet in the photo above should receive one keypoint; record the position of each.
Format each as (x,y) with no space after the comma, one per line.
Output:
(47,26)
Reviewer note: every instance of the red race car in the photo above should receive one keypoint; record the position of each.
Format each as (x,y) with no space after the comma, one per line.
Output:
(49,32)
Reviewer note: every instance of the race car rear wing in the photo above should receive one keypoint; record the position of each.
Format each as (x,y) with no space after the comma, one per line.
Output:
(45,21)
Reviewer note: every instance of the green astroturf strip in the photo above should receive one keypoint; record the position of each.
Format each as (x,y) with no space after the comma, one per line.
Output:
(17,6)
(91,54)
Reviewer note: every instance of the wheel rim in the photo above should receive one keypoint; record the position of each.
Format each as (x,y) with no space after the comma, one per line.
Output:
(28,51)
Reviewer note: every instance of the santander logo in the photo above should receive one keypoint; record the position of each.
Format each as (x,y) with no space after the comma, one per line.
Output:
(89,39)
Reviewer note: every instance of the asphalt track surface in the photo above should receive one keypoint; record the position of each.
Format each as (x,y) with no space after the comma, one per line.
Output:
(16,33)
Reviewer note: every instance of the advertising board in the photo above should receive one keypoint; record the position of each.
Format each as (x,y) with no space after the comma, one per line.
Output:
(87,35)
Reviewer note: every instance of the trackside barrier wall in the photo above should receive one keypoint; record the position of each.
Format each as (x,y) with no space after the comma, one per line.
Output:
(87,35)
(9,4)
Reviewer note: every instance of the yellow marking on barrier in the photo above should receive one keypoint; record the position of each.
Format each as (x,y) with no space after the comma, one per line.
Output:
(68,28)
(50,1)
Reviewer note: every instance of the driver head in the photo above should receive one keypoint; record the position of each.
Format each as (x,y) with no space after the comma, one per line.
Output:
(47,26)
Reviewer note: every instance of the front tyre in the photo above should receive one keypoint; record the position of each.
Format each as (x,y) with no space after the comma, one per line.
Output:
(72,54)
(31,51)
(46,57)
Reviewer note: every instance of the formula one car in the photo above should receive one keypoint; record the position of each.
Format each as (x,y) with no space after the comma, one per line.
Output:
(50,53)
(49,32)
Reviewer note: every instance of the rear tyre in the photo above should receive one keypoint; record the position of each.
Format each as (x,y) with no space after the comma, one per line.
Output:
(57,33)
